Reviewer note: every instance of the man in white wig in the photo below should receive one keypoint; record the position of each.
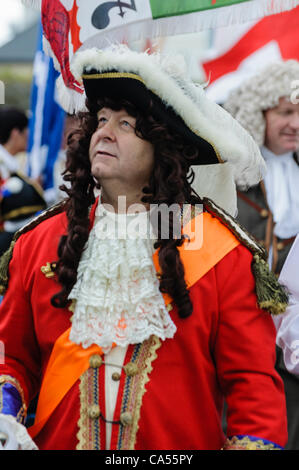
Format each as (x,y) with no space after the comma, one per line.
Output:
(263,105)
(266,105)
(130,331)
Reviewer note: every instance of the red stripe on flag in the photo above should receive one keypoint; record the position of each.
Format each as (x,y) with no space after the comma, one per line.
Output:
(282,28)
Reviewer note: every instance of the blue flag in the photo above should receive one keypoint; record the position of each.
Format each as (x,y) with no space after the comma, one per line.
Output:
(46,123)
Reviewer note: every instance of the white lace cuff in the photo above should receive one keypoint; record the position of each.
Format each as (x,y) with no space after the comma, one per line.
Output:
(10,426)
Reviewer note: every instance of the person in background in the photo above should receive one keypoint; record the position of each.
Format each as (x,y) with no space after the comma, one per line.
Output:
(263,106)
(20,198)
(133,332)
(270,210)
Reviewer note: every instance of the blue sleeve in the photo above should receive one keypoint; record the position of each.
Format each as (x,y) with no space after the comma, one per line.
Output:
(11,400)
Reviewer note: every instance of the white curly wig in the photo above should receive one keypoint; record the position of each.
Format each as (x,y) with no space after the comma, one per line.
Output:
(259,93)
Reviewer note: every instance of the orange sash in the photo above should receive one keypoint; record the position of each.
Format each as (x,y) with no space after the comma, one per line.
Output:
(69,361)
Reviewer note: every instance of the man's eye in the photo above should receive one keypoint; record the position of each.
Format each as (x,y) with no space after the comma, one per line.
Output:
(127,124)
(102,120)
(286,112)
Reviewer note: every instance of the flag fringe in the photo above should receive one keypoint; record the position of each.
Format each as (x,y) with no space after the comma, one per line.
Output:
(197,21)
(36,4)
(202,20)
(190,23)
(70,100)
(49,51)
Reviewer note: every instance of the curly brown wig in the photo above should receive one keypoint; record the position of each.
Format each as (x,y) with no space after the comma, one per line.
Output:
(170,183)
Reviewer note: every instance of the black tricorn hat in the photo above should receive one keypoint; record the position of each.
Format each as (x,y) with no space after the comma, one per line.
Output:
(130,86)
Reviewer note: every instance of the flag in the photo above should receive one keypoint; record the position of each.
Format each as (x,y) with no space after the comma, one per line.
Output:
(73,24)
(254,45)
(46,122)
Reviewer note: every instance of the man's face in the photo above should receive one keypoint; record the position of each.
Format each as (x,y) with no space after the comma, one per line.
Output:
(117,153)
(18,140)
(282,127)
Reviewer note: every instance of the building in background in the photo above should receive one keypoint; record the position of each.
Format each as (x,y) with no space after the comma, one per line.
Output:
(16,66)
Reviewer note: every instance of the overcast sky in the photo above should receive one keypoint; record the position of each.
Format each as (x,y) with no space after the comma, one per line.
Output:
(14,17)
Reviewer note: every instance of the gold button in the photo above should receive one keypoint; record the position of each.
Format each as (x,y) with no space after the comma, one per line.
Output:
(131,369)
(94,411)
(280,246)
(126,418)
(264,213)
(47,270)
(2,380)
(116,376)
(95,361)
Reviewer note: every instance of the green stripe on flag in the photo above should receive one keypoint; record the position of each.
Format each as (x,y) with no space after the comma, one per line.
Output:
(164,8)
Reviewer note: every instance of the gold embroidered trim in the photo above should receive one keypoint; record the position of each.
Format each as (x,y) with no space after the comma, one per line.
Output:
(113,75)
(247,444)
(136,390)
(88,434)
(82,424)
(7,379)
(81,434)
(89,429)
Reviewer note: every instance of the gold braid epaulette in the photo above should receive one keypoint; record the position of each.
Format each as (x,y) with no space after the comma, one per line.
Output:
(271,295)
(7,256)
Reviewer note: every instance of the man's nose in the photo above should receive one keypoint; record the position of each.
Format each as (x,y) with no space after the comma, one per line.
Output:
(294,122)
(107,131)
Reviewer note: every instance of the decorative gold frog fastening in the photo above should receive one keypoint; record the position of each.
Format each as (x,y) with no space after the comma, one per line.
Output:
(48,270)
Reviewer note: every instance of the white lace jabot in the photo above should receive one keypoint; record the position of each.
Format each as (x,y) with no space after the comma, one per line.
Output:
(117,297)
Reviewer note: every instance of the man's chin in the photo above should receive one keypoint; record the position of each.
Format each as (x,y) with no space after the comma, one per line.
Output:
(290,142)
(290,146)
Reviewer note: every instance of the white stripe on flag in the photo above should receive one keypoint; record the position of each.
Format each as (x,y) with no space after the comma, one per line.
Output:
(38,155)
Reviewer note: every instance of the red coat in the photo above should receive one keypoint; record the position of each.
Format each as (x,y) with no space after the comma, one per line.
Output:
(226,348)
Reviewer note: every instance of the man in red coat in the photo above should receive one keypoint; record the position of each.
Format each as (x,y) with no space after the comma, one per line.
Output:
(134,315)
